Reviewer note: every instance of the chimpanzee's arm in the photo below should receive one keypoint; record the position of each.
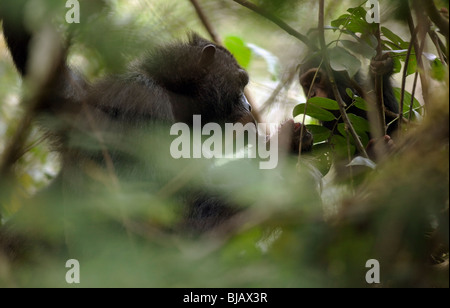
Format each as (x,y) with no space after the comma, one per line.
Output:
(385,68)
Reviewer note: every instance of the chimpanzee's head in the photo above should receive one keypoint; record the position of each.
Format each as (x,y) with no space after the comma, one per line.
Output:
(202,78)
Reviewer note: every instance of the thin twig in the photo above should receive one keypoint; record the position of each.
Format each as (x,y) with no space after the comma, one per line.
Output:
(417,48)
(277,21)
(304,114)
(437,43)
(411,106)
(205,21)
(379,86)
(394,115)
(405,74)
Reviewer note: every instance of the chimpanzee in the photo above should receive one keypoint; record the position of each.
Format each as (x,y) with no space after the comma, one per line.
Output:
(322,87)
(99,125)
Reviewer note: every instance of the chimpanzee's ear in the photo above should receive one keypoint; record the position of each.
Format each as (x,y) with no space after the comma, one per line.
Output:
(208,54)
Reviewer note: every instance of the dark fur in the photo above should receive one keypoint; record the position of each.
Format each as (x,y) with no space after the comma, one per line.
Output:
(107,122)
(94,126)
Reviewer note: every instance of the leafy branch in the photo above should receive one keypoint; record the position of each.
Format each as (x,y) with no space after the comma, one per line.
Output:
(332,80)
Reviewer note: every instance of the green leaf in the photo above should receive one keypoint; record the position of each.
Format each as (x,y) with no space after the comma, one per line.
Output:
(362,135)
(400,55)
(319,133)
(438,70)
(334,30)
(394,38)
(360,47)
(358,12)
(407,100)
(359,124)
(239,50)
(324,103)
(412,65)
(350,93)
(339,145)
(323,157)
(354,22)
(397,66)
(371,40)
(389,45)
(340,21)
(342,60)
(314,112)
(358,26)
(360,103)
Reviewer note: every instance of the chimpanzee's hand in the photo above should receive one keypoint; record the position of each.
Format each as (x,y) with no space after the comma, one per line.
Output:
(383,65)
(289,136)
(386,142)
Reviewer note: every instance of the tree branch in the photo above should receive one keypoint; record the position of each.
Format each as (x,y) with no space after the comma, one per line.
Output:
(413,94)
(405,74)
(379,87)
(205,21)
(277,21)
(418,47)
(436,17)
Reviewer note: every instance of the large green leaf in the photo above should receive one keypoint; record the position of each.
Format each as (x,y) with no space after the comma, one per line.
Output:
(319,133)
(412,65)
(360,124)
(324,103)
(239,50)
(407,100)
(360,47)
(360,103)
(394,38)
(342,60)
(362,135)
(397,66)
(340,21)
(358,12)
(351,23)
(355,21)
(339,145)
(314,112)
